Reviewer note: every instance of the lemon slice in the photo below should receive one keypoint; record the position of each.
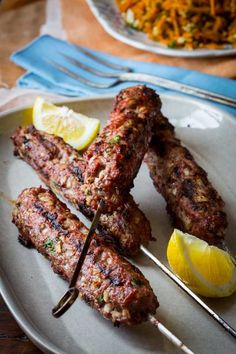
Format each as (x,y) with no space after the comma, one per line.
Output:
(207,270)
(76,129)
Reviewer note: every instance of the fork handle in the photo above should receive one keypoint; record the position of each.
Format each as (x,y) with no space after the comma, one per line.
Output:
(176,86)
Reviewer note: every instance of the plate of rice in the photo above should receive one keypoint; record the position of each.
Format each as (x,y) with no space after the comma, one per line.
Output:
(183,28)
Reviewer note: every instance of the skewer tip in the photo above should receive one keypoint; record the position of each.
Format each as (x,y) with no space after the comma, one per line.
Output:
(4,197)
(169,335)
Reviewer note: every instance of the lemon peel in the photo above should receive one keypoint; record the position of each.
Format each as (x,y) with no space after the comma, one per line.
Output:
(76,129)
(207,270)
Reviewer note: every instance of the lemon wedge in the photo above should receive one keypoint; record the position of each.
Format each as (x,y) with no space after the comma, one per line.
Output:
(207,270)
(76,129)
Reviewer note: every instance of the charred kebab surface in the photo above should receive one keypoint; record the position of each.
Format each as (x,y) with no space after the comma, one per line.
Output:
(194,205)
(114,158)
(62,168)
(107,282)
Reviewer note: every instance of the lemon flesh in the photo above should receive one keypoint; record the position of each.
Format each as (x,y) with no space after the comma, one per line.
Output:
(76,129)
(207,270)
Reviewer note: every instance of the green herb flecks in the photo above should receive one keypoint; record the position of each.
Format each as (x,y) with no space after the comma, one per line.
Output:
(100,299)
(115,140)
(172,44)
(136,282)
(49,245)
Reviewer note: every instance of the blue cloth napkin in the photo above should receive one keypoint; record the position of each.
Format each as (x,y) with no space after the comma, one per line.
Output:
(37,59)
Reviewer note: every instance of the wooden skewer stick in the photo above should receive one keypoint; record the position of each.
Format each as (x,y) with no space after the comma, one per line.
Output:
(72,293)
(197,299)
(169,335)
(4,197)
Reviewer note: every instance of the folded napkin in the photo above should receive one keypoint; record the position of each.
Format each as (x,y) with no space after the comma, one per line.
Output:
(37,58)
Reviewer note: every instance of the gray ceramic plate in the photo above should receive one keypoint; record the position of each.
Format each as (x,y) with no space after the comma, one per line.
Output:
(30,288)
(108,15)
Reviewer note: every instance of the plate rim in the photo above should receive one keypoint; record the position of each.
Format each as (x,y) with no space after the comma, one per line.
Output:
(5,289)
(165,96)
(27,327)
(195,53)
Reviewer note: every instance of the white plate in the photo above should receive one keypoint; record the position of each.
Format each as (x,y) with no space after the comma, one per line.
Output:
(30,288)
(107,13)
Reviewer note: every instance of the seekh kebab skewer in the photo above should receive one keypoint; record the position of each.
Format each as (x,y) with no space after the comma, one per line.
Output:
(114,158)
(194,205)
(111,163)
(107,282)
(61,168)
(112,168)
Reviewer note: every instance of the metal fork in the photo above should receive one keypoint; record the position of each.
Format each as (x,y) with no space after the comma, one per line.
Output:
(125,74)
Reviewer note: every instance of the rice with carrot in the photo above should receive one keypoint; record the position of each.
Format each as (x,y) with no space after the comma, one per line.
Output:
(184,23)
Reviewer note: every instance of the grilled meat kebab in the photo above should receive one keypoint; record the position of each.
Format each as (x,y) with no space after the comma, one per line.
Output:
(62,168)
(114,158)
(194,205)
(107,282)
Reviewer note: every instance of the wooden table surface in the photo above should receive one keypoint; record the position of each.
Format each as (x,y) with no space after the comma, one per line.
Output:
(12,339)
(20,21)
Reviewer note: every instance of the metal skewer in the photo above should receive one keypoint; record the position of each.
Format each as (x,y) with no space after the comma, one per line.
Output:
(197,299)
(169,335)
(72,293)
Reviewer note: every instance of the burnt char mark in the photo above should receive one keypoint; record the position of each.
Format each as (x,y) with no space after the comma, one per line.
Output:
(78,173)
(116,281)
(87,300)
(51,147)
(188,155)
(187,188)
(97,148)
(116,324)
(38,207)
(196,206)
(223,217)
(113,279)
(213,195)
(110,240)
(132,115)
(24,242)
(25,141)
(128,155)
(158,146)
(44,173)
(85,210)
(103,270)
(128,132)
(177,171)
(78,245)
(52,217)
(16,152)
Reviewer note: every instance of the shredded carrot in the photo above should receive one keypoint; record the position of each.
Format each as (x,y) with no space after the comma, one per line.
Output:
(183,23)
(213,10)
